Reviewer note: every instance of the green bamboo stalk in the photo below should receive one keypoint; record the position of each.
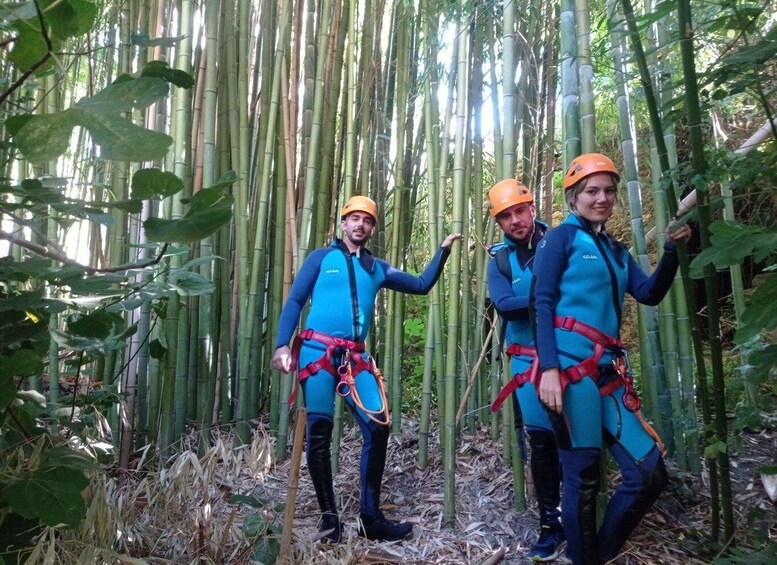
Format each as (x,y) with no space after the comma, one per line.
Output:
(585,73)
(452,346)
(698,161)
(570,101)
(662,155)
(508,156)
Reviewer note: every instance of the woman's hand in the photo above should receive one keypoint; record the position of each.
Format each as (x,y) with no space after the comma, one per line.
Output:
(281,359)
(682,233)
(450,239)
(550,390)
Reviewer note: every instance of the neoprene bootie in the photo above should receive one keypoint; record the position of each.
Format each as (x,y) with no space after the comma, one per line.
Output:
(378,527)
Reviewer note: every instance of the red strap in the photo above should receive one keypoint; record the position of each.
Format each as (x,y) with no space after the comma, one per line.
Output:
(325,361)
(569,324)
(519,379)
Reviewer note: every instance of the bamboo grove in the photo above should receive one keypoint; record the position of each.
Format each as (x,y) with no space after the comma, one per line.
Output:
(272,113)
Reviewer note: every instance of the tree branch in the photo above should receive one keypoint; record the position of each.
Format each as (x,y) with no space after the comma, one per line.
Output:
(53,253)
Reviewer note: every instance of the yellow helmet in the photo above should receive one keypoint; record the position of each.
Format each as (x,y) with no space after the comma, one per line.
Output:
(506,193)
(587,164)
(360,204)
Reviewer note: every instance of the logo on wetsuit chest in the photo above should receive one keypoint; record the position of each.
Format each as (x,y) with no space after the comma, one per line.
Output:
(516,280)
(589,256)
(332,271)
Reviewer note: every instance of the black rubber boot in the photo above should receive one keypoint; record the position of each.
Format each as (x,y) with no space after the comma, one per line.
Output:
(578,503)
(374,525)
(642,484)
(320,467)
(546,471)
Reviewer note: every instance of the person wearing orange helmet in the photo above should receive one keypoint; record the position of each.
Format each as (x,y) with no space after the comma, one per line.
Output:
(581,275)
(509,284)
(342,281)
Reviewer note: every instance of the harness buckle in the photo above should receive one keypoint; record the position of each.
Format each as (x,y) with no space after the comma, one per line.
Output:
(622,367)
(567,323)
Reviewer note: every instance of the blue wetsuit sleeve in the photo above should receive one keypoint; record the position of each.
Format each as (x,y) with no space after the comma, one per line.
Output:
(401,281)
(300,291)
(651,289)
(500,288)
(549,263)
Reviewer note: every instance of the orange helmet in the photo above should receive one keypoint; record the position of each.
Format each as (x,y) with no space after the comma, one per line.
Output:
(360,204)
(586,165)
(506,193)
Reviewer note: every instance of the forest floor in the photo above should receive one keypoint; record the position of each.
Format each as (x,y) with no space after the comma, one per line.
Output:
(487,523)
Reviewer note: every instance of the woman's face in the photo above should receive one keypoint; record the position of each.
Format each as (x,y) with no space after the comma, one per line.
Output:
(597,200)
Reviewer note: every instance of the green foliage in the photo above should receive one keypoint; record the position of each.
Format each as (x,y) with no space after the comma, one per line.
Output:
(101,115)
(744,557)
(260,528)
(62,19)
(209,209)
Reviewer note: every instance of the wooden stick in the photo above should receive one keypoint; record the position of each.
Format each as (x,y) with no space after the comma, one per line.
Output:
(296,460)
(496,557)
(475,369)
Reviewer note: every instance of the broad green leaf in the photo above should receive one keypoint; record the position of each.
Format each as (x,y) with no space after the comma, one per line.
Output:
(189,229)
(46,137)
(200,261)
(150,183)
(16,122)
(144,40)
(7,388)
(187,283)
(254,526)
(160,69)
(244,499)
(23,301)
(52,494)
(125,95)
(21,271)
(731,242)
(63,456)
(225,181)
(121,140)
(92,345)
(21,363)
(156,350)
(761,313)
(97,324)
(206,198)
(129,206)
(266,550)
(715,449)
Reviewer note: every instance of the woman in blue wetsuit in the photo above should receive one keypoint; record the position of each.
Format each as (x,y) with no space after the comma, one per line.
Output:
(342,281)
(580,277)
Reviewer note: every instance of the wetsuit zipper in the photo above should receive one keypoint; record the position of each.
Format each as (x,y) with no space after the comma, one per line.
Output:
(354,296)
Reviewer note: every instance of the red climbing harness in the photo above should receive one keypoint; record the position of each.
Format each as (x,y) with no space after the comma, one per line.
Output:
(353,363)
(519,379)
(590,367)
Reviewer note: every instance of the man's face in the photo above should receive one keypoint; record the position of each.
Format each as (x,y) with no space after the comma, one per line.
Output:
(517,221)
(358,227)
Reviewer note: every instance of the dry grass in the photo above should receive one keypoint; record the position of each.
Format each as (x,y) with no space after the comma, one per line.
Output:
(182,513)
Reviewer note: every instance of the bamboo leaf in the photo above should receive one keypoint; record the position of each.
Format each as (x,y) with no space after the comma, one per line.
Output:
(52,494)
(150,183)
(715,449)
(144,40)
(187,283)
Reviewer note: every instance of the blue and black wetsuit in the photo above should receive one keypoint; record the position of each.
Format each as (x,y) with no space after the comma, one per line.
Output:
(584,275)
(342,287)
(510,295)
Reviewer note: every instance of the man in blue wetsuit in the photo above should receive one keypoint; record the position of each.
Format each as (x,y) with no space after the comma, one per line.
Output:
(342,281)
(580,277)
(509,283)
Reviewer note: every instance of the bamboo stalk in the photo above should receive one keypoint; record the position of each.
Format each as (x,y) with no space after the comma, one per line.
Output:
(296,460)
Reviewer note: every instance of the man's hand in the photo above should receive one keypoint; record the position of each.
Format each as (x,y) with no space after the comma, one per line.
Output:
(450,239)
(281,359)
(680,234)
(550,390)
